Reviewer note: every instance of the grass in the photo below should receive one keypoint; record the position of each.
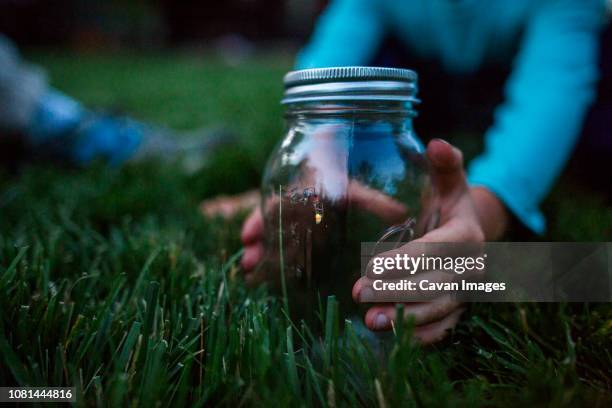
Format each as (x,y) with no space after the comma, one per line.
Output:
(112,282)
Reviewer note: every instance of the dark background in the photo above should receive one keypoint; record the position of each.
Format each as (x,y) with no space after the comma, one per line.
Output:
(149,24)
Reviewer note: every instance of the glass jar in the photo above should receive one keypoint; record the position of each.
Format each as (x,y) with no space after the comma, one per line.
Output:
(350,169)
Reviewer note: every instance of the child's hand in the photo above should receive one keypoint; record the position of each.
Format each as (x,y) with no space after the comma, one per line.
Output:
(252,239)
(229,206)
(460,213)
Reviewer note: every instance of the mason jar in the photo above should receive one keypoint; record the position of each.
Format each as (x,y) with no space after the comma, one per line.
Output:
(349,169)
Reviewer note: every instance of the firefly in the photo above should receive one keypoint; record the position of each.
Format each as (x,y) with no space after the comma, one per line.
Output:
(318,207)
(318,218)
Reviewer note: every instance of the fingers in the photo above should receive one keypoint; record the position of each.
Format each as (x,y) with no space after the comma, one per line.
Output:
(446,167)
(228,206)
(371,200)
(252,239)
(379,317)
(434,332)
(433,320)
(425,255)
(376,202)
(423,287)
(252,229)
(253,254)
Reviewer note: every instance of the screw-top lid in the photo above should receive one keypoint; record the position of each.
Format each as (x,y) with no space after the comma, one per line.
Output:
(350,83)
(333,74)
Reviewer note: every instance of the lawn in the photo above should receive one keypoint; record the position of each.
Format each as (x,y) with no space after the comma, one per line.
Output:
(112,282)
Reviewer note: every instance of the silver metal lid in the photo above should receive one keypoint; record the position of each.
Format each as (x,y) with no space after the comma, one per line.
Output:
(350,83)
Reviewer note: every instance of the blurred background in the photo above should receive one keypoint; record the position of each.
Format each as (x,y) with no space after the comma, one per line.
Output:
(116,24)
(191,64)
(178,64)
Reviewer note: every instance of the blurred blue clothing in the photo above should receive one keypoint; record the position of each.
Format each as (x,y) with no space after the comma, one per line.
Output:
(69,131)
(55,123)
(55,114)
(552,84)
(56,126)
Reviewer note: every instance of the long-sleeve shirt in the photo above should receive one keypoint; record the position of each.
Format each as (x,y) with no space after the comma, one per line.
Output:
(550,88)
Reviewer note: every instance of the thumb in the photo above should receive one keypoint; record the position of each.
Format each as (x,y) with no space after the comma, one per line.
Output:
(446,167)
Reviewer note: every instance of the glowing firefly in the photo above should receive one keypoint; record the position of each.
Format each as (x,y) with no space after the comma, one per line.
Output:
(318,218)
(318,207)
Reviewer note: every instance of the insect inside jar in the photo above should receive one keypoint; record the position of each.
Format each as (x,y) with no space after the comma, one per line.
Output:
(318,207)
(308,195)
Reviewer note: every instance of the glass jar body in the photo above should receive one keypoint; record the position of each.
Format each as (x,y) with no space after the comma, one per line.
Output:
(342,175)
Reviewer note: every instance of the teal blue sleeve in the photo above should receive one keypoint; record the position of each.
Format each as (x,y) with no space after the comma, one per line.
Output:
(349,32)
(547,96)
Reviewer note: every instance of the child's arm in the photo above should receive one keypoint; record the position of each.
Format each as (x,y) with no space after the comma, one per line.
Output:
(547,97)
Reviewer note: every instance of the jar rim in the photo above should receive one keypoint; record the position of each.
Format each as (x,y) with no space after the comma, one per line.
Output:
(350,83)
